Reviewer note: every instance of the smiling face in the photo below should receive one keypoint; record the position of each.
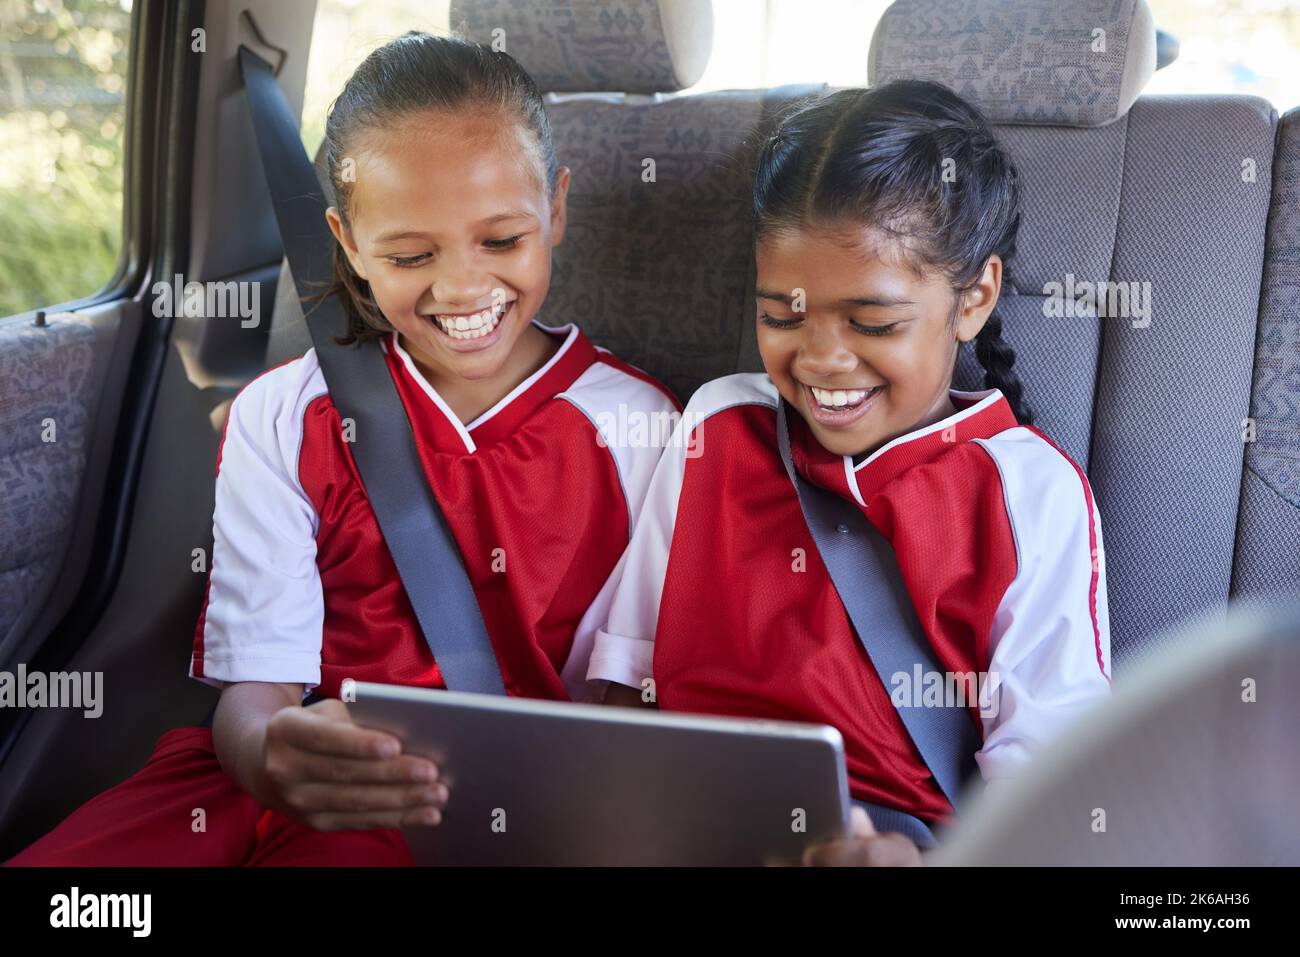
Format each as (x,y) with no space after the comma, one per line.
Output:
(870,356)
(450,224)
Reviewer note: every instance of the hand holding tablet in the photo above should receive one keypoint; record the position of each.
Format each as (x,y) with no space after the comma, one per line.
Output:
(546,783)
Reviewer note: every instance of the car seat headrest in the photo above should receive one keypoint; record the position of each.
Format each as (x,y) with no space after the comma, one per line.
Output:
(1026,62)
(619,46)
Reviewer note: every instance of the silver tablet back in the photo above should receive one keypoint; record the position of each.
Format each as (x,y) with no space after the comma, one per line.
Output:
(548,783)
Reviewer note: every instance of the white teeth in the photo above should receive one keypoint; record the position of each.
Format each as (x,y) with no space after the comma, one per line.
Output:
(839,398)
(475,326)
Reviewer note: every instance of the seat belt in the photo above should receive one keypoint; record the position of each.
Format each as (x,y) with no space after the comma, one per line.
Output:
(414,528)
(865,572)
(885,819)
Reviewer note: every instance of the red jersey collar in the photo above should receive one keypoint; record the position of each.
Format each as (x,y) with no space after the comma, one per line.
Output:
(979,415)
(449,434)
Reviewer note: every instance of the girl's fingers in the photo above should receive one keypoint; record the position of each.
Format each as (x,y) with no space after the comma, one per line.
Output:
(410,817)
(881,850)
(833,853)
(327,729)
(363,799)
(860,822)
(286,766)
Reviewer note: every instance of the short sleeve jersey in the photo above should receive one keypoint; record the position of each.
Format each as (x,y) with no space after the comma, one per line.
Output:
(540,496)
(726,604)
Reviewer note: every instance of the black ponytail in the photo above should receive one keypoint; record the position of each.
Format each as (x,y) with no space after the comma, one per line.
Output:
(881,156)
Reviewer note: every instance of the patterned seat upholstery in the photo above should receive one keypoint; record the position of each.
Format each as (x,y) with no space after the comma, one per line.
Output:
(1267,560)
(47,385)
(1175,193)
(1185,416)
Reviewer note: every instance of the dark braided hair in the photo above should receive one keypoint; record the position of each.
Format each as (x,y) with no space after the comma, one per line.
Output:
(414,73)
(877,156)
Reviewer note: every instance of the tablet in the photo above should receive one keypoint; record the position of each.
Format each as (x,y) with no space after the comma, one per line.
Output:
(552,783)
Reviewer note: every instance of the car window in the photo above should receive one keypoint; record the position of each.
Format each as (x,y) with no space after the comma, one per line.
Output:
(63,70)
(1226,46)
(343,33)
(1248,47)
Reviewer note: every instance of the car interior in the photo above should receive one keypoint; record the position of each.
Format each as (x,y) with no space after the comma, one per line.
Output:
(1184,418)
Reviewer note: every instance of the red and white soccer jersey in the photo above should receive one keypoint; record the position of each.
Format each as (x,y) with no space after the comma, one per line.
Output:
(724,599)
(539,492)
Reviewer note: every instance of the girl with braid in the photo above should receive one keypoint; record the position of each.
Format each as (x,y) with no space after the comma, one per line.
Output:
(884,221)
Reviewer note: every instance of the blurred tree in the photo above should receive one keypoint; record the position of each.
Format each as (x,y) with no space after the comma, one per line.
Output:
(63,67)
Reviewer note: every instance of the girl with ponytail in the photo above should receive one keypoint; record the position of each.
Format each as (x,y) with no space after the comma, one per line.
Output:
(884,222)
(449,201)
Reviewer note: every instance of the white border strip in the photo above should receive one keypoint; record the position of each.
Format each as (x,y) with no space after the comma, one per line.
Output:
(462,429)
(523,387)
(986,399)
(433,395)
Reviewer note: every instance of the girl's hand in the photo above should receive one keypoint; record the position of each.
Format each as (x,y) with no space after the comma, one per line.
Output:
(864,848)
(320,768)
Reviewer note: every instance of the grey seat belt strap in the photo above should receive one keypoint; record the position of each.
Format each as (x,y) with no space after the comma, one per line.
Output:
(891,819)
(416,532)
(867,578)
